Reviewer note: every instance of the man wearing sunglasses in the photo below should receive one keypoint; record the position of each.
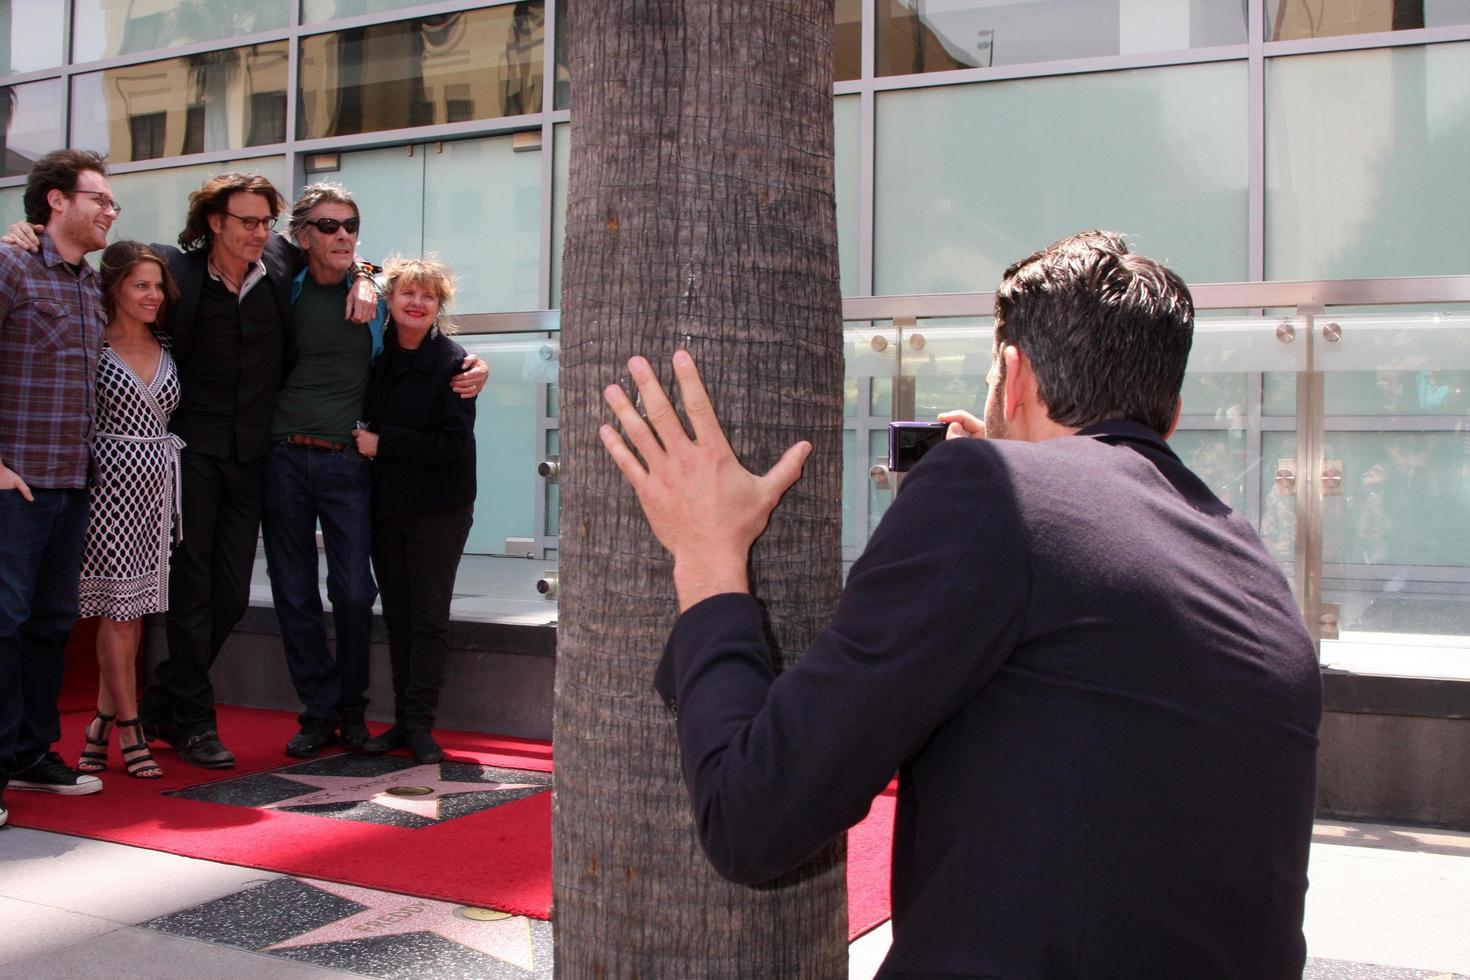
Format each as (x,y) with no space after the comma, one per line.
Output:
(314,473)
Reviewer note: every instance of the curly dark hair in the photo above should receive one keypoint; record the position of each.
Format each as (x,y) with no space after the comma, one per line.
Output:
(118,260)
(57,171)
(214,197)
(1108,332)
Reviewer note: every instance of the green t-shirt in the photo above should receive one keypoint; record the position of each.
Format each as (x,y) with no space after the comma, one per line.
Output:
(323,397)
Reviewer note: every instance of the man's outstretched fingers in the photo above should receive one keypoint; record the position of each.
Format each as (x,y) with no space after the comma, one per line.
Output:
(697,406)
(622,456)
(788,468)
(634,427)
(656,406)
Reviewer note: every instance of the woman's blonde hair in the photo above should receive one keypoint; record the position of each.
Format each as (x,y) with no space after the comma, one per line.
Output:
(428,272)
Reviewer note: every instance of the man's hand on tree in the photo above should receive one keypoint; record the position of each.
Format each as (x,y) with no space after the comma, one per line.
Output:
(24,234)
(703,505)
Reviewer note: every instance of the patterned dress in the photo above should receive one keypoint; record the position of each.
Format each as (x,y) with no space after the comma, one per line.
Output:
(135,504)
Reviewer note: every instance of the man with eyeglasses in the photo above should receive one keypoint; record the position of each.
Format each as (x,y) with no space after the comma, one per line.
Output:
(313,473)
(51,335)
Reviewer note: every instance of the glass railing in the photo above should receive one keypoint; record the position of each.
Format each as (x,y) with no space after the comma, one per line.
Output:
(1340,430)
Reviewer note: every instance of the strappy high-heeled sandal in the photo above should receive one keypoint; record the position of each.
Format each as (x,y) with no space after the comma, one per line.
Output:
(94,756)
(137,759)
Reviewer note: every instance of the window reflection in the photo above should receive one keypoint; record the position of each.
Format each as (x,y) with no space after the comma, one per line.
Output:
(917,36)
(847,41)
(476,64)
(1288,20)
(32,124)
(30,35)
(105,28)
(217,100)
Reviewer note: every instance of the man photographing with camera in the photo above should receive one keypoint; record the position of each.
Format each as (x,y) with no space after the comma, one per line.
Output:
(1089,675)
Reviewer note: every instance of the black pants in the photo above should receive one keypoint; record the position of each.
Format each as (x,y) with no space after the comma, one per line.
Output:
(415,557)
(208,586)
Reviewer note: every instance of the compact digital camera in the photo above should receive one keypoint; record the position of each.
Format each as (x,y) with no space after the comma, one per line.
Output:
(909,441)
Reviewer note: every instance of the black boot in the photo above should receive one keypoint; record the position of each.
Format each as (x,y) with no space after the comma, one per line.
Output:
(394,738)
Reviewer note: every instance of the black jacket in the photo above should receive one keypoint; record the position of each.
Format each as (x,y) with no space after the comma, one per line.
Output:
(426,432)
(1097,692)
(234,414)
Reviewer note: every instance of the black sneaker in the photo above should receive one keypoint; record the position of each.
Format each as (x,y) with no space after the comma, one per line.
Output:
(425,750)
(353,731)
(315,734)
(203,749)
(51,775)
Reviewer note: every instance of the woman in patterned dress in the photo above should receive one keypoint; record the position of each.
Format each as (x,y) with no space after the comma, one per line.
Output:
(134,494)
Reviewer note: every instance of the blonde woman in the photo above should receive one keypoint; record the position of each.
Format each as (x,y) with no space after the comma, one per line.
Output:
(420,437)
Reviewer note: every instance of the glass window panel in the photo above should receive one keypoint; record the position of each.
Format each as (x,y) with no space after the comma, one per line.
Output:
(1218,458)
(1365,163)
(388,186)
(849,397)
(847,41)
(940,35)
(854,475)
(1218,394)
(561,167)
(106,28)
(1278,393)
(972,177)
(30,35)
(847,139)
(1288,21)
(509,423)
(155,202)
(482,215)
(553,490)
(32,124)
(473,64)
(1405,500)
(878,499)
(1278,510)
(561,95)
(200,103)
(880,398)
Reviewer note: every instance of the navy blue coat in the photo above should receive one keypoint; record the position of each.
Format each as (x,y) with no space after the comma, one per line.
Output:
(1099,698)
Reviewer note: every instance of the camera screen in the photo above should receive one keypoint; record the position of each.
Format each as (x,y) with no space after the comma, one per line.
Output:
(909,441)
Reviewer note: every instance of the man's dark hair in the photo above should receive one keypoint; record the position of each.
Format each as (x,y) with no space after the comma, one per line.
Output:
(214,198)
(57,171)
(1107,332)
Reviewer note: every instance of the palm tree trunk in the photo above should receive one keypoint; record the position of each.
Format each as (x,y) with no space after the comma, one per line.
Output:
(700,215)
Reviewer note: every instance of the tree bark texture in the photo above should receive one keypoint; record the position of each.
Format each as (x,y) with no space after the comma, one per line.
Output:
(700,215)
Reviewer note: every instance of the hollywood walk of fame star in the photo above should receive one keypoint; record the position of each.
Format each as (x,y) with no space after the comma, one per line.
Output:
(416,790)
(498,934)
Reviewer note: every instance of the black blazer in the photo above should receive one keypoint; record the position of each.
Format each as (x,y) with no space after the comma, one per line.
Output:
(1097,692)
(426,432)
(282,261)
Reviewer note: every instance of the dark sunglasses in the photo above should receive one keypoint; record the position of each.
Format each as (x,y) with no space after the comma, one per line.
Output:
(329,226)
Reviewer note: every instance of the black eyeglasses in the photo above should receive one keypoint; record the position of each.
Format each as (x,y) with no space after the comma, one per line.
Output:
(252,223)
(329,226)
(106,200)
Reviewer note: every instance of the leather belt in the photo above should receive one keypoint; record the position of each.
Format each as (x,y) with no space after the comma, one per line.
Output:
(315,443)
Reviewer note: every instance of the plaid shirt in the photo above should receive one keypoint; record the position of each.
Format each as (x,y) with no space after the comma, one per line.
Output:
(51,330)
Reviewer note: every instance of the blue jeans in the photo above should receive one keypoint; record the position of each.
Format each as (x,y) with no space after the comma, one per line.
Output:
(304,485)
(40,567)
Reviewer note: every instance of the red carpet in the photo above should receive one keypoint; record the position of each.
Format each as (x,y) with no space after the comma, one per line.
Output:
(430,861)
